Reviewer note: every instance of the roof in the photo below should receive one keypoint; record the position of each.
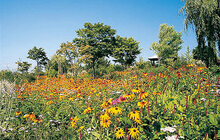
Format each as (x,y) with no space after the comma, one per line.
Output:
(155,57)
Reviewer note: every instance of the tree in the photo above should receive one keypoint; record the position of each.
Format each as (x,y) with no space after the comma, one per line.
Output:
(205,16)
(95,41)
(23,66)
(71,53)
(126,50)
(169,43)
(39,56)
(59,63)
(187,57)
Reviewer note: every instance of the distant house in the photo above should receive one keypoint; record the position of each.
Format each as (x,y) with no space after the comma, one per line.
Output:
(154,60)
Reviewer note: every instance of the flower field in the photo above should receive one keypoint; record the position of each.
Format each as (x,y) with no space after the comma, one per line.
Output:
(168,104)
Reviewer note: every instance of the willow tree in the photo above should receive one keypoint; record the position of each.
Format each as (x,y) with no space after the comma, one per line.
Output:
(204,15)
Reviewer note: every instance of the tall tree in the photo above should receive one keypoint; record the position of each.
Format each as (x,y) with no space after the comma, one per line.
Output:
(169,43)
(205,16)
(59,63)
(71,53)
(39,55)
(99,38)
(23,66)
(126,50)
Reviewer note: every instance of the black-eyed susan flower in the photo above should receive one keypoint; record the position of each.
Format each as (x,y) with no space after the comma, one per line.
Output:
(135,91)
(115,110)
(29,117)
(138,120)
(142,104)
(129,96)
(143,95)
(105,123)
(18,113)
(133,115)
(87,110)
(104,117)
(119,133)
(74,121)
(133,132)
(38,120)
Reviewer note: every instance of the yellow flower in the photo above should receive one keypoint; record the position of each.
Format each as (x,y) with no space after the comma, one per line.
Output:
(49,102)
(62,97)
(129,96)
(38,120)
(104,117)
(80,128)
(133,115)
(26,116)
(74,121)
(32,117)
(29,117)
(115,110)
(106,104)
(133,132)
(135,90)
(105,123)
(142,104)
(138,120)
(87,110)
(71,99)
(156,93)
(119,133)
(143,95)
(18,113)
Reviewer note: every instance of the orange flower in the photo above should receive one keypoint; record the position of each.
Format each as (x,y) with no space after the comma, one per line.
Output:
(142,104)
(18,113)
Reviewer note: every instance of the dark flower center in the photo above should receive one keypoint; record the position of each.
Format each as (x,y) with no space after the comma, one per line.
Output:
(134,130)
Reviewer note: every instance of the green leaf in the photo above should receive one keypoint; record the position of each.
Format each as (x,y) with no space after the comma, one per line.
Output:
(213,119)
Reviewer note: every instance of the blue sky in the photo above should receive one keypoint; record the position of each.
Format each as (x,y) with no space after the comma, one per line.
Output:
(47,23)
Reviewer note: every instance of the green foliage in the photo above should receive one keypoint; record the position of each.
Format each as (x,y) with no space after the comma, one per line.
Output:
(187,57)
(95,41)
(51,72)
(16,77)
(141,64)
(204,15)
(58,63)
(206,54)
(39,56)
(23,66)
(215,69)
(169,43)
(126,50)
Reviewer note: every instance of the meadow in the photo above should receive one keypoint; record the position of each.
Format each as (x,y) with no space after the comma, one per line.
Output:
(162,103)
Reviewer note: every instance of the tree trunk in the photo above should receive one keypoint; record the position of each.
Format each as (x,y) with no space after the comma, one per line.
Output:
(93,68)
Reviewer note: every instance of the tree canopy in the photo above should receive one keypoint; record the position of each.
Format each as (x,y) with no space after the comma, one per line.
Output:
(39,55)
(23,66)
(169,43)
(95,41)
(126,50)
